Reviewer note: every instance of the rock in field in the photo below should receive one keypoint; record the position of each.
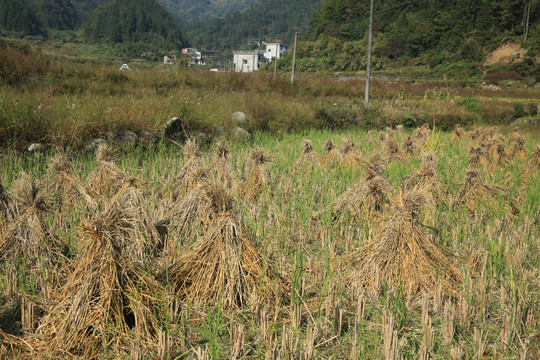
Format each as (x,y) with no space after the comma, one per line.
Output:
(239,119)
(240,134)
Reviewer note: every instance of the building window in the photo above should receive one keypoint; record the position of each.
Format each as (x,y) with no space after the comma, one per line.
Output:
(244,61)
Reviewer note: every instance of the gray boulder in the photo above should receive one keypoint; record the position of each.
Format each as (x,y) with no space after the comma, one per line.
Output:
(174,130)
(37,148)
(147,138)
(128,138)
(92,145)
(239,119)
(240,134)
(219,132)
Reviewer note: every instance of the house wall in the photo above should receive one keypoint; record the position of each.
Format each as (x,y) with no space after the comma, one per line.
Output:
(246,62)
(270,51)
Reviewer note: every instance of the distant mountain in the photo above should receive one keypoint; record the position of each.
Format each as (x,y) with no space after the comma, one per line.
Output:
(141,28)
(55,14)
(267,20)
(189,12)
(16,15)
(85,7)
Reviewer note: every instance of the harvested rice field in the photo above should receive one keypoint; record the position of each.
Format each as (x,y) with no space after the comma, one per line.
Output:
(403,243)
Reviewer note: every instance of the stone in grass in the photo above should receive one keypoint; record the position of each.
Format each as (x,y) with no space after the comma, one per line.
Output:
(219,132)
(239,119)
(37,148)
(147,138)
(174,130)
(92,145)
(240,134)
(128,138)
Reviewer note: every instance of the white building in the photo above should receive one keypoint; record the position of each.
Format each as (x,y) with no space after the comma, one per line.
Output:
(270,52)
(248,61)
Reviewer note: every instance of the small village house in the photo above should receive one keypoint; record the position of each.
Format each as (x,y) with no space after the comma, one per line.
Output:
(248,61)
(270,52)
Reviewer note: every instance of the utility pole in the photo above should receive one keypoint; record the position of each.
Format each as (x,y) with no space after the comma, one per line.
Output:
(275,60)
(368,68)
(294,58)
(527,24)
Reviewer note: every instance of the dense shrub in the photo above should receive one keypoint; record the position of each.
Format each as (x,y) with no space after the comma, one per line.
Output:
(532,109)
(519,110)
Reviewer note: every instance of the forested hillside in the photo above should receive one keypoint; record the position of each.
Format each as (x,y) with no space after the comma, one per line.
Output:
(421,32)
(16,15)
(190,12)
(139,28)
(55,14)
(271,19)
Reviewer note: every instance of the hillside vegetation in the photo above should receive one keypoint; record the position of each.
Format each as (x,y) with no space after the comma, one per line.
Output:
(271,20)
(139,28)
(424,32)
(17,16)
(190,12)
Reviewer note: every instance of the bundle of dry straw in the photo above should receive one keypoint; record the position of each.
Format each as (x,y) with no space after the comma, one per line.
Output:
(221,166)
(223,266)
(68,189)
(106,177)
(517,147)
(404,255)
(5,210)
(459,133)
(27,235)
(473,190)
(533,165)
(426,177)
(104,296)
(309,158)
(186,179)
(332,156)
(258,177)
(352,156)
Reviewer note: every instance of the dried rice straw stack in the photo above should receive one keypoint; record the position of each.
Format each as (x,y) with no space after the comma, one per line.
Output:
(69,189)
(459,133)
(137,235)
(409,146)
(223,266)
(426,177)
(187,212)
(517,147)
(474,189)
(365,200)
(352,156)
(309,158)
(6,215)
(479,158)
(28,235)
(104,296)
(221,166)
(106,177)
(374,166)
(186,179)
(421,136)
(258,177)
(404,255)
(332,156)
(391,147)
(498,152)
(533,165)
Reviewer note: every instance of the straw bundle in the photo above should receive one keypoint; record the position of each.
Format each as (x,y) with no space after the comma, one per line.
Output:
(517,147)
(366,199)
(426,177)
(105,295)
(309,158)
(68,189)
(258,177)
(459,133)
(391,147)
(421,135)
(351,154)
(375,166)
(404,255)
(221,167)
(186,180)
(332,156)
(223,266)
(5,209)
(106,177)
(27,235)
(188,211)
(533,165)
(474,189)
(137,233)
(479,158)
(409,146)
(498,152)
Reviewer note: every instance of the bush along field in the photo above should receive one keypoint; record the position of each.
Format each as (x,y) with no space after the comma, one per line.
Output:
(385,244)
